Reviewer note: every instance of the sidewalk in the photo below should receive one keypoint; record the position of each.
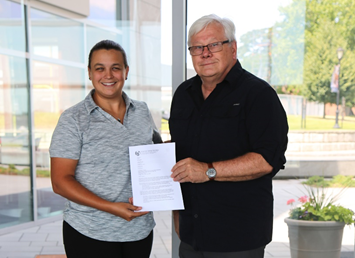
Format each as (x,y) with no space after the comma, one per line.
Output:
(47,238)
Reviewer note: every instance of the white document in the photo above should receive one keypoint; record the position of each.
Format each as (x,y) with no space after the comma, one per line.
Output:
(153,188)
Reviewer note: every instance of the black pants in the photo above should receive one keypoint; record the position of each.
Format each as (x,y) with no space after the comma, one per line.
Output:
(79,246)
(186,251)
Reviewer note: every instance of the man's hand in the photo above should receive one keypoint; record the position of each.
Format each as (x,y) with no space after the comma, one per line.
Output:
(190,170)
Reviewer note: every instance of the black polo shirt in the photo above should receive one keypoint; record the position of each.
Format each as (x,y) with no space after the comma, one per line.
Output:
(242,114)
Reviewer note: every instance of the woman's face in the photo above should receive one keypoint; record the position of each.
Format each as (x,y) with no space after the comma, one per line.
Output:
(108,73)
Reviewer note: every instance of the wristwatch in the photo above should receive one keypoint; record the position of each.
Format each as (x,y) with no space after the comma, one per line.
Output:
(211,172)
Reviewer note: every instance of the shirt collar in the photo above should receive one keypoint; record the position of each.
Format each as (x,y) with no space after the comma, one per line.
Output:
(234,73)
(91,105)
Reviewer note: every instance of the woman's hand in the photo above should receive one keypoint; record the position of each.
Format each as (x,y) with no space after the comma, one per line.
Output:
(127,211)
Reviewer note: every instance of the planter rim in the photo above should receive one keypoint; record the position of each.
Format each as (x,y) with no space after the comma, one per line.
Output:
(308,223)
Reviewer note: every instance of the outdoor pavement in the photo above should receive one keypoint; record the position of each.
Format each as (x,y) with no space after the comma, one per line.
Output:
(47,238)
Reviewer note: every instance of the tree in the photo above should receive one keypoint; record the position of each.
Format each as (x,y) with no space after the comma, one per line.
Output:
(253,51)
(288,46)
(303,49)
(328,23)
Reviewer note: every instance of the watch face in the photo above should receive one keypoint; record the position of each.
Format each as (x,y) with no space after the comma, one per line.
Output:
(211,172)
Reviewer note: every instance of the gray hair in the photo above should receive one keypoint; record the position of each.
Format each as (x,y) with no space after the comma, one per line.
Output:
(204,21)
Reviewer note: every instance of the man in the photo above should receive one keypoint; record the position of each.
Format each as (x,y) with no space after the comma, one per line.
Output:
(230,131)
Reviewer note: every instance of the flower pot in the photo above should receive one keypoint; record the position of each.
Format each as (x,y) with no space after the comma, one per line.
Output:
(315,239)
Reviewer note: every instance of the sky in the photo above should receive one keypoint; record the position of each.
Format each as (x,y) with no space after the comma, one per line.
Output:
(246,15)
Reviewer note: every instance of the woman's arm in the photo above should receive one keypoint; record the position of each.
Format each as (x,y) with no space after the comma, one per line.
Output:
(65,184)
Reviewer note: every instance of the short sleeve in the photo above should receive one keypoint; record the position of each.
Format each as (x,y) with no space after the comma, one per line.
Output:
(66,140)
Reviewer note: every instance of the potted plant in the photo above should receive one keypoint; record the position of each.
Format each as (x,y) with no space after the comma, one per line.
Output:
(315,228)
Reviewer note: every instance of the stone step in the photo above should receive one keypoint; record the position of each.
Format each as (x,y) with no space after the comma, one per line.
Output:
(321,136)
(320,146)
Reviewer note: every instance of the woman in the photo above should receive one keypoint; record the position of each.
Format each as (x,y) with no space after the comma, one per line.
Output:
(90,163)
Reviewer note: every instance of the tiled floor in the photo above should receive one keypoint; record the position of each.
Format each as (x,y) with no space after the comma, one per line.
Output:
(47,238)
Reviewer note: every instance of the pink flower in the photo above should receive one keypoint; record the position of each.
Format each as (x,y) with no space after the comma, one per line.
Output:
(291,201)
(303,199)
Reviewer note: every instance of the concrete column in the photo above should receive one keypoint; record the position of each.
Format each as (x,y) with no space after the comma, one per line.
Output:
(178,73)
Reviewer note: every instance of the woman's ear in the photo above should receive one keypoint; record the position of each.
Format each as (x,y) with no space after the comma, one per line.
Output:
(89,73)
(127,70)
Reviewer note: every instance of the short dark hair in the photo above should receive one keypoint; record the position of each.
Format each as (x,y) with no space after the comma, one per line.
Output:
(108,44)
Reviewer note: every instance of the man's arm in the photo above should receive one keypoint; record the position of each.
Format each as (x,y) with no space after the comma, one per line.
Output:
(247,167)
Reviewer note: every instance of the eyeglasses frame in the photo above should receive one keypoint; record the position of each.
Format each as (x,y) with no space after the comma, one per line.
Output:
(203,47)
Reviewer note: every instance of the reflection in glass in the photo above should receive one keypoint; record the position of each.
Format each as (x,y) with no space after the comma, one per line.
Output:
(12,26)
(272,46)
(55,88)
(287,38)
(56,37)
(15,180)
(105,12)
(95,34)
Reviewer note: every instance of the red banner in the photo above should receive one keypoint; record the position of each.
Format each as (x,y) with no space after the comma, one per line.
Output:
(334,83)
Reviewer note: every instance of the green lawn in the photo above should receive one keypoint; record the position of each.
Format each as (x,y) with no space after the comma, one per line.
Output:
(49,120)
(320,123)
(164,125)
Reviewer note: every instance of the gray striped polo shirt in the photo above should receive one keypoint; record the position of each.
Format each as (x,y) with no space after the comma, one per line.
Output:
(99,142)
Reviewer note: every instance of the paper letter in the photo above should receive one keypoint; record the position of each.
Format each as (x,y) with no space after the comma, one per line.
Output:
(153,188)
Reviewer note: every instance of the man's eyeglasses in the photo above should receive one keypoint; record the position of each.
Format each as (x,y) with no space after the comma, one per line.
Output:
(212,47)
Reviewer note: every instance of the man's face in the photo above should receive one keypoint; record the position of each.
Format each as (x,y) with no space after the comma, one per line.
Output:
(213,66)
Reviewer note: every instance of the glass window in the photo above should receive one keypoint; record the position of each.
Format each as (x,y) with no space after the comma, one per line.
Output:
(15,180)
(166,63)
(12,26)
(55,88)
(58,53)
(56,37)
(105,12)
(257,38)
(95,34)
